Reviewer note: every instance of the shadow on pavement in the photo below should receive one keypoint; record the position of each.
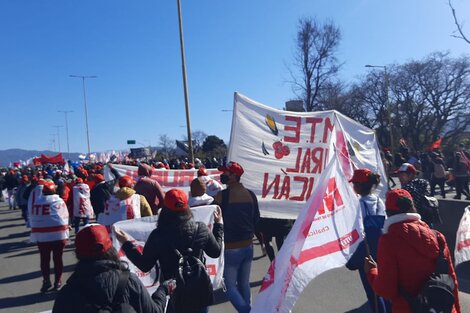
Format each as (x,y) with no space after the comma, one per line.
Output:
(11,302)
(31,275)
(11,226)
(17,235)
(13,246)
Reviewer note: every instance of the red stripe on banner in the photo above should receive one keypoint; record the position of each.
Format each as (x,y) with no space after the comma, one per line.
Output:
(49,229)
(329,247)
(463,244)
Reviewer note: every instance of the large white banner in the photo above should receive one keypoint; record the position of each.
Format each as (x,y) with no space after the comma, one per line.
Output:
(462,242)
(324,236)
(285,153)
(140,229)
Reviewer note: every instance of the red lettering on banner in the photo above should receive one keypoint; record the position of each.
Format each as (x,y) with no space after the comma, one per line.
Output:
(39,209)
(304,188)
(331,198)
(314,121)
(285,190)
(297,162)
(211,269)
(317,159)
(306,162)
(46,209)
(463,244)
(329,248)
(328,129)
(281,189)
(267,188)
(295,129)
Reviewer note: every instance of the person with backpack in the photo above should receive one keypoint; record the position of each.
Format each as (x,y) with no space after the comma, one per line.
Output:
(409,253)
(418,188)
(178,240)
(373,213)
(103,283)
(439,174)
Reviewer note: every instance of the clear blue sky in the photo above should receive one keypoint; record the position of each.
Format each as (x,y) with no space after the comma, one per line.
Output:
(133,48)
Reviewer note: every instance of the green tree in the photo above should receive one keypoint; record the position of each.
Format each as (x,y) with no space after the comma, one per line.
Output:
(214,146)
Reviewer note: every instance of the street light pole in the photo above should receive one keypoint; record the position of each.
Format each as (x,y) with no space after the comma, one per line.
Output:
(185,84)
(387,102)
(58,134)
(66,130)
(86,110)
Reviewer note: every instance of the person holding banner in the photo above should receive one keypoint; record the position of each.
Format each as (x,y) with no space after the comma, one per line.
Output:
(101,280)
(176,229)
(198,195)
(49,220)
(407,254)
(373,213)
(241,212)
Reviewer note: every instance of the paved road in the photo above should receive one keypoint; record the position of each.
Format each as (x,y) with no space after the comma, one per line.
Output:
(338,290)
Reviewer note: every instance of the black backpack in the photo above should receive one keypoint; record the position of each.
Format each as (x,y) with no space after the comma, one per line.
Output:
(117,306)
(194,287)
(437,293)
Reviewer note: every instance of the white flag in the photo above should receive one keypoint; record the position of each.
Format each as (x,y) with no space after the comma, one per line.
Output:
(324,236)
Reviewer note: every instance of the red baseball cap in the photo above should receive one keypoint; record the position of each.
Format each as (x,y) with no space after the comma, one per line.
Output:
(406,167)
(361,176)
(92,241)
(393,196)
(202,171)
(98,178)
(49,186)
(126,181)
(176,200)
(233,167)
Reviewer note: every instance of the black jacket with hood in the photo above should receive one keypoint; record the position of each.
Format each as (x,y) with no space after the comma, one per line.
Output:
(99,280)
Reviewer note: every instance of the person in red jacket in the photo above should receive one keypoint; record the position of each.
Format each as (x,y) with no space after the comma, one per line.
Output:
(407,254)
(149,187)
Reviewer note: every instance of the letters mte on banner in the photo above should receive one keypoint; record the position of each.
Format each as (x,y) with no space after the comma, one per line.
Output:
(285,153)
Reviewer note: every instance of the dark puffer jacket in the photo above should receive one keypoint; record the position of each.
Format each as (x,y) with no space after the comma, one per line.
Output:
(176,231)
(100,278)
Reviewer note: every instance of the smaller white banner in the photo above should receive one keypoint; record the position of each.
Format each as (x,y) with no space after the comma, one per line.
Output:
(140,229)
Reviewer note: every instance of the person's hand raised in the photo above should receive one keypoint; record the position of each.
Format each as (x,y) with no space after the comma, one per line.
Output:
(218,215)
(121,235)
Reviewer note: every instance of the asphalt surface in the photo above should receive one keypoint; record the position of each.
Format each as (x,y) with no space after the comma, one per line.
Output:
(338,290)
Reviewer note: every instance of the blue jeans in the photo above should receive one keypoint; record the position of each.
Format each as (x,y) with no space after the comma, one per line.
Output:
(237,277)
(76,222)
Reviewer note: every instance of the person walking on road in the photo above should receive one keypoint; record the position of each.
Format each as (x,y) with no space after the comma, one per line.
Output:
(460,172)
(407,254)
(49,220)
(241,216)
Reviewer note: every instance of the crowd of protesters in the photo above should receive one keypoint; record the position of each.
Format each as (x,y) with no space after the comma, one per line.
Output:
(54,198)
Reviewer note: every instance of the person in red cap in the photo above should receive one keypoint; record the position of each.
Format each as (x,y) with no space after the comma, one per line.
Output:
(212,185)
(124,204)
(176,229)
(407,254)
(373,212)
(418,188)
(241,216)
(49,219)
(100,279)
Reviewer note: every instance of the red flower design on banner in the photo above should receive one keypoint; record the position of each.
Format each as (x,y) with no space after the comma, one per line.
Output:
(280,150)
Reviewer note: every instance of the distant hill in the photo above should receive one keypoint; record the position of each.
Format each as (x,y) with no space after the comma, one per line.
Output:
(14,155)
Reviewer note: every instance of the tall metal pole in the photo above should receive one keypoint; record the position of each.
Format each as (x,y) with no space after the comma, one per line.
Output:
(58,134)
(86,109)
(186,100)
(67,130)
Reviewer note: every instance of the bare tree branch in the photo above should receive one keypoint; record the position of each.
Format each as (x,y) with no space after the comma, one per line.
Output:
(459,26)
